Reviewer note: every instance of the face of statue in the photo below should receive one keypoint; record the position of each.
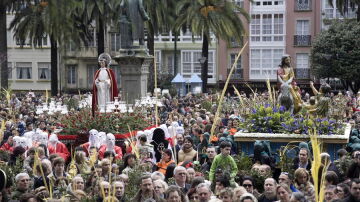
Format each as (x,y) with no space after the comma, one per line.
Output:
(102,63)
(288,61)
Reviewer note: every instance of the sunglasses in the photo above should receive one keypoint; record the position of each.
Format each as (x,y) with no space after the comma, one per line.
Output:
(247,185)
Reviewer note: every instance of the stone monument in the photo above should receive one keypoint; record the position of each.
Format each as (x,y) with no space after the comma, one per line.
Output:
(134,61)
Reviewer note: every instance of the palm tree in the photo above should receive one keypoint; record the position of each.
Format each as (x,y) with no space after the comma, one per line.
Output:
(343,6)
(6,5)
(103,13)
(52,18)
(203,17)
(161,13)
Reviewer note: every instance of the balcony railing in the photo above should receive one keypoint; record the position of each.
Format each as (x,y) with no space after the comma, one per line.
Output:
(303,5)
(302,40)
(237,74)
(302,73)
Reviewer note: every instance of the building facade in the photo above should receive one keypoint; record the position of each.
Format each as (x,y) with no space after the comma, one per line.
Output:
(277,27)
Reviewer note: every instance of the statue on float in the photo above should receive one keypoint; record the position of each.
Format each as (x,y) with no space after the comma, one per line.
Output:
(104,86)
(290,96)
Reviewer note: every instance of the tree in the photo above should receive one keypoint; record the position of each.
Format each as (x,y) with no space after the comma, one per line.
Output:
(203,17)
(5,5)
(343,6)
(103,13)
(53,18)
(162,18)
(336,53)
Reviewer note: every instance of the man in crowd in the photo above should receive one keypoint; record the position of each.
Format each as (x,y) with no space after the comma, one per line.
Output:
(146,191)
(180,178)
(303,160)
(22,181)
(119,187)
(269,194)
(204,192)
(211,153)
(354,191)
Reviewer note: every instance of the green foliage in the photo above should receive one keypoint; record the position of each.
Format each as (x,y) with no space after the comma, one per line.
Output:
(83,120)
(336,53)
(134,180)
(206,104)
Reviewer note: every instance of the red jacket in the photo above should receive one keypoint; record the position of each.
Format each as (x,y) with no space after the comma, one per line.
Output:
(118,152)
(7,147)
(60,149)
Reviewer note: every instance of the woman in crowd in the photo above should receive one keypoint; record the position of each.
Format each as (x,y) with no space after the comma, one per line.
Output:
(303,184)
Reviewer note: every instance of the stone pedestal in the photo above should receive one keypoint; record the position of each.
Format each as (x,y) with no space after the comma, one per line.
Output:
(134,70)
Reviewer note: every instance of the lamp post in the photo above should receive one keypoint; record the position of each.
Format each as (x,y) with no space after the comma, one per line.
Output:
(204,71)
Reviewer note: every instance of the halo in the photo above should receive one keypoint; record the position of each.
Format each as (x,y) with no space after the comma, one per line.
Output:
(105,57)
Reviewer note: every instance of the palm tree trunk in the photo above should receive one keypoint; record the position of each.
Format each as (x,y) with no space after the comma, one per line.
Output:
(175,52)
(204,67)
(3,47)
(358,13)
(101,37)
(150,46)
(54,64)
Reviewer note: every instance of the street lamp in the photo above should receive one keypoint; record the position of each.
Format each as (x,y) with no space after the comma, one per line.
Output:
(204,70)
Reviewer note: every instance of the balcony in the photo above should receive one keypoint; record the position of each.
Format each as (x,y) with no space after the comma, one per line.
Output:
(236,75)
(302,40)
(303,5)
(302,73)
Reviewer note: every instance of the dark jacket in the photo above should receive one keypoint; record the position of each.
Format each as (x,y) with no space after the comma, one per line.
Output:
(296,164)
(262,198)
(353,171)
(138,197)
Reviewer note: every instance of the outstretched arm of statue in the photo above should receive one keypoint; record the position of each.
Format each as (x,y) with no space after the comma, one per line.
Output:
(313,88)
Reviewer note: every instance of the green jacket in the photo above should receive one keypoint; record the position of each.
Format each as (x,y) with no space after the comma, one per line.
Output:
(15,195)
(226,163)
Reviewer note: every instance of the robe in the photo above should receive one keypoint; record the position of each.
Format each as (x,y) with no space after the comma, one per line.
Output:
(60,149)
(113,88)
(118,152)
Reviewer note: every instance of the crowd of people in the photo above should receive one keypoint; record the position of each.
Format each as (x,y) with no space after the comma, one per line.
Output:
(178,161)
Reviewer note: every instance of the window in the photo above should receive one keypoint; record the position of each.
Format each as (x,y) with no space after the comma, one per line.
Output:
(116,70)
(23,70)
(91,69)
(9,70)
(255,28)
(23,42)
(115,41)
(238,72)
(303,5)
(333,12)
(269,2)
(264,63)
(43,42)
(170,64)
(302,27)
(239,3)
(267,27)
(44,70)
(71,74)
(190,63)
(302,66)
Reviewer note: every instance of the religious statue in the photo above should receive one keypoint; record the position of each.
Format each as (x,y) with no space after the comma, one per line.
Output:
(132,20)
(286,75)
(323,99)
(104,86)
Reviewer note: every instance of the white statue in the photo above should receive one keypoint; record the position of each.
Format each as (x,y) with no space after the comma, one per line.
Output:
(104,87)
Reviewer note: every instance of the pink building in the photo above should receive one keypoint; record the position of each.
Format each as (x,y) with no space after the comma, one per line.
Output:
(277,27)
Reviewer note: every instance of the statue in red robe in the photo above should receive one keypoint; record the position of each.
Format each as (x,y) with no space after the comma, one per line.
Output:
(104,86)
